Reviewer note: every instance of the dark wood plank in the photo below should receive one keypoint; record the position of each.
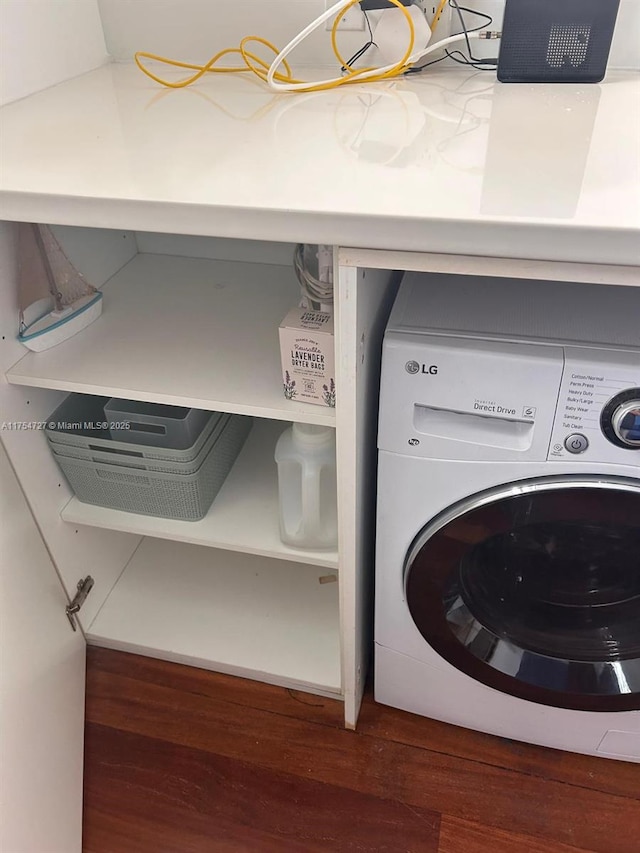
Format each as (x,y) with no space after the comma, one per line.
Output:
(461,836)
(419,777)
(621,778)
(123,830)
(202,682)
(134,782)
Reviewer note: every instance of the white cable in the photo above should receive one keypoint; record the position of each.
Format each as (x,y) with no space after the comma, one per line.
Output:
(318,292)
(363,76)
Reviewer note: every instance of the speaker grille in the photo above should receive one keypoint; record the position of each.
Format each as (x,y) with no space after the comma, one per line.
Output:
(556,41)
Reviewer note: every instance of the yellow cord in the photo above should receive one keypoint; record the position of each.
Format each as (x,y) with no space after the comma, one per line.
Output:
(437,15)
(259,67)
(358,76)
(345,64)
(208,67)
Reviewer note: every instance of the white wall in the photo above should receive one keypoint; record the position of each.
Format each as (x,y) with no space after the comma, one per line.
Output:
(625,50)
(196,29)
(43,42)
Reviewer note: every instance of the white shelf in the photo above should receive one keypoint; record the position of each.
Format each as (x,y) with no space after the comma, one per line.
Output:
(271,620)
(243,517)
(183,331)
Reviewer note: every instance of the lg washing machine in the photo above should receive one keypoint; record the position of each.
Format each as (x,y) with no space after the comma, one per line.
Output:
(508,520)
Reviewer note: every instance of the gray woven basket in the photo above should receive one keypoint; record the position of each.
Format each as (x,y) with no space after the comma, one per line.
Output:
(184,497)
(135,456)
(155,424)
(66,429)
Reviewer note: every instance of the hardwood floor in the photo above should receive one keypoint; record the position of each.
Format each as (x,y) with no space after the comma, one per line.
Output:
(180,760)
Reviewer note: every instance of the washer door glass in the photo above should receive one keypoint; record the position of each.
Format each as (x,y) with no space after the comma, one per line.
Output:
(534,590)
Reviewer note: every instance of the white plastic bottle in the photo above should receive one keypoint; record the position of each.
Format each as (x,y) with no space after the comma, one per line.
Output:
(306,459)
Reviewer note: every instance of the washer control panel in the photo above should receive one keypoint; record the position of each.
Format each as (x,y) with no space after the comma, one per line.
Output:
(598,413)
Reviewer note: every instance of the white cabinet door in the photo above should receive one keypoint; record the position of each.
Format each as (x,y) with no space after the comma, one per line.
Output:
(42,674)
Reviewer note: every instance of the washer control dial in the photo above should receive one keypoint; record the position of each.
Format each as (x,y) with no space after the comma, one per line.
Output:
(626,423)
(620,420)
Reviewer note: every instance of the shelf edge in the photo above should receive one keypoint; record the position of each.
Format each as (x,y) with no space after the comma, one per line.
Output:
(329,691)
(76,512)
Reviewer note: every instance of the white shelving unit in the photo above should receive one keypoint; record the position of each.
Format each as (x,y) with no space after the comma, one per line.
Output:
(243,517)
(223,593)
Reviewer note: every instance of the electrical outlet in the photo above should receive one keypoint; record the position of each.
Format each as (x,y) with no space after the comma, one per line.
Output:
(351,20)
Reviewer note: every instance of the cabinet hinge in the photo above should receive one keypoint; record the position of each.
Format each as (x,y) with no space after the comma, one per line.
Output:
(84,588)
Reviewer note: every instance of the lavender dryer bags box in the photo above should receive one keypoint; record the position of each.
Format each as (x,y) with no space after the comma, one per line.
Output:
(308,360)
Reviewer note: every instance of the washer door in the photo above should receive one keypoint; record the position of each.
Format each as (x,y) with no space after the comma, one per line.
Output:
(534,589)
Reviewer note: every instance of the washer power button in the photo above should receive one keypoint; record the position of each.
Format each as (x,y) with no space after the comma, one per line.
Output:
(576,443)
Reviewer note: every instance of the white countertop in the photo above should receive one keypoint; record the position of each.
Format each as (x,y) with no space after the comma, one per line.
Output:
(448,161)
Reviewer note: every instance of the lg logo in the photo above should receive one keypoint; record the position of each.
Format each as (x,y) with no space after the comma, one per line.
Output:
(414,367)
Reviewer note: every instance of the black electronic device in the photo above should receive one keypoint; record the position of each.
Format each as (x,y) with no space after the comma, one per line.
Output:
(556,41)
